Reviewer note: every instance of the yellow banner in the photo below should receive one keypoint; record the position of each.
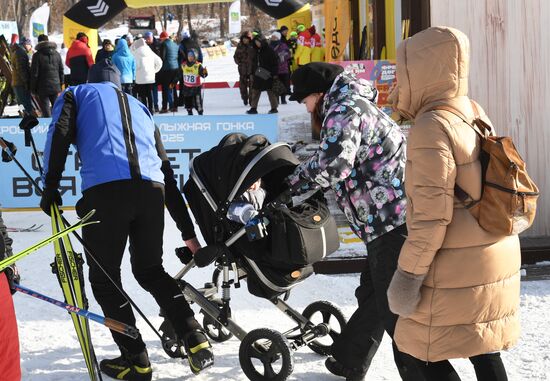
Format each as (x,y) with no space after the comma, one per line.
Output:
(301,16)
(71,29)
(337,29)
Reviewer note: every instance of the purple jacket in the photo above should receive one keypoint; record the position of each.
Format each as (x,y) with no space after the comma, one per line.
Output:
(283,53)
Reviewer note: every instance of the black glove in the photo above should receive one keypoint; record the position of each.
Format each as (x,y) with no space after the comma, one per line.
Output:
(28,122)
(13,277)
(50,196)
(5,157)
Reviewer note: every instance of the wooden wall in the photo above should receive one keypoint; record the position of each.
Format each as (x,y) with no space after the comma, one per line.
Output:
(510,76)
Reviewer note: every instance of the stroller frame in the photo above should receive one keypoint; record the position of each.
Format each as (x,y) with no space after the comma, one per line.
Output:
(266,345)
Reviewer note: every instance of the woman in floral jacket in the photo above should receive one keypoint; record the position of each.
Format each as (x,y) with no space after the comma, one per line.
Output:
(362,158)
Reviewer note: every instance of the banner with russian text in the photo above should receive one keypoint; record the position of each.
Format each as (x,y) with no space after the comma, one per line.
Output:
(183,137)
(337,29)
(381,73)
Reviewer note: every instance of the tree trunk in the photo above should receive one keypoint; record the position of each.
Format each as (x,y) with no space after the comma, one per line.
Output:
(179,15)
(212,11)
(222,20)
(189,25)
(253,15)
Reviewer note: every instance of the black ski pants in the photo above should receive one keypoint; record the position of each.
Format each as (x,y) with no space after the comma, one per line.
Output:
(194,101)
(359,341)
(488,367)
(245,83)
(46,102)
(145,94)
(131,209)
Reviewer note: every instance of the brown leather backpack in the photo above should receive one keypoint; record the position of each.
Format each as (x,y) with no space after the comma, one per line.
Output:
(508,201)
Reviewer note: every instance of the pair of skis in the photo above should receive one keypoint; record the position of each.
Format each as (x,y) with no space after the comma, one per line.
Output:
(71,308)
(67,266)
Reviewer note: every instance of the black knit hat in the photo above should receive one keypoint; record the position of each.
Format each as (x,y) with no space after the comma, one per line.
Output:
(104,71)
(315,77)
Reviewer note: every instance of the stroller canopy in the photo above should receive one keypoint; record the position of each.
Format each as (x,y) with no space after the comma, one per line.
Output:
(238,161)
(226,171)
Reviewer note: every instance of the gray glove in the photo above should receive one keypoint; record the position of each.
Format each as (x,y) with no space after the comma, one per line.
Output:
(404,292)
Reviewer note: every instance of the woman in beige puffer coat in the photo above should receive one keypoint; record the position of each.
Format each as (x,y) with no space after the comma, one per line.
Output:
(457,286)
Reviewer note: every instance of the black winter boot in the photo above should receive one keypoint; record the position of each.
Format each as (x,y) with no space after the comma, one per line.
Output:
(338,369)
(252,111)
(130,367)
(199,351)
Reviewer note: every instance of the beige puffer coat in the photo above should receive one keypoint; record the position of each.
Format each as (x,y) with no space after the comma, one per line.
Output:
(470,296)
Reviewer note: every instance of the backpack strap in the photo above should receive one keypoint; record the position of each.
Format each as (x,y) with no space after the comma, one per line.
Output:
(483,130)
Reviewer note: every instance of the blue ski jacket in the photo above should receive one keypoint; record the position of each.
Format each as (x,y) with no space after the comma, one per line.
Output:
(116,139)
(124,61)
(114,136)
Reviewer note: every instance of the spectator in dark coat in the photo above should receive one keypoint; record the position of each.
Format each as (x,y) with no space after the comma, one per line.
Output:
(189,42)
(106,51)
(169,73)
(79,59)
(269,62)
(46,74)
(20,80)
(244,55)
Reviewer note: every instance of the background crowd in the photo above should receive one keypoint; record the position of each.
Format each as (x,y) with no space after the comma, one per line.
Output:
(171,65)
(145,63)
(267,65)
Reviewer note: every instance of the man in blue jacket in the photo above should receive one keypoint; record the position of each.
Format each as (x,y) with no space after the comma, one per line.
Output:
(125,176)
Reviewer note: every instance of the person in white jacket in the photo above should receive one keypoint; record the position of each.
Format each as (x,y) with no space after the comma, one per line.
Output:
(147,64)
(66,69)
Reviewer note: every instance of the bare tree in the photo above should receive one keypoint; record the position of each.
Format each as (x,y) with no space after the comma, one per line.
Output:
(253,12)
(212,11)
(189,18)
(222,20)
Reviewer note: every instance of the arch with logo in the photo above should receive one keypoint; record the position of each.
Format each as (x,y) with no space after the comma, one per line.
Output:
(88,15)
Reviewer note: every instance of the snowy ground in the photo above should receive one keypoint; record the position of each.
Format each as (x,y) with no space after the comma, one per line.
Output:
(50,351)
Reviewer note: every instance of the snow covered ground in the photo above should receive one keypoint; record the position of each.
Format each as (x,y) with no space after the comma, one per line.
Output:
(50,351)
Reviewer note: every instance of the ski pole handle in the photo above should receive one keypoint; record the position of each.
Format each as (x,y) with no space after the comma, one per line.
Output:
(120,327)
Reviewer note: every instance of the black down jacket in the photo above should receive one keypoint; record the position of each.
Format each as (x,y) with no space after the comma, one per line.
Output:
(46,69)
(268,60)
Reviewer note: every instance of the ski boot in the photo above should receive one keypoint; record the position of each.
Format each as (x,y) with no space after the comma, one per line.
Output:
(199,351)
(130,367)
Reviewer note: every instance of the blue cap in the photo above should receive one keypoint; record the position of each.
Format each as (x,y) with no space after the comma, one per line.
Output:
(104,71)
(148,34)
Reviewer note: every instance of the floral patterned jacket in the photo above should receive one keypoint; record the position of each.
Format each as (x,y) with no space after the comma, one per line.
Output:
(361,157)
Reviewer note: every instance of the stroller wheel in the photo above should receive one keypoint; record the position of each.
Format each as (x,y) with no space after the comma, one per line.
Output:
(265,355)
(170,344)
(329,314)
(215,330)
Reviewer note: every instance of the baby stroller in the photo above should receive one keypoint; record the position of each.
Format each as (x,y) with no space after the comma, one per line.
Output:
(274,252)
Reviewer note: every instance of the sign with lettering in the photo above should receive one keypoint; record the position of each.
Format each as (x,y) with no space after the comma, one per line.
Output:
(183,136)
(337,29)
(381,73)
